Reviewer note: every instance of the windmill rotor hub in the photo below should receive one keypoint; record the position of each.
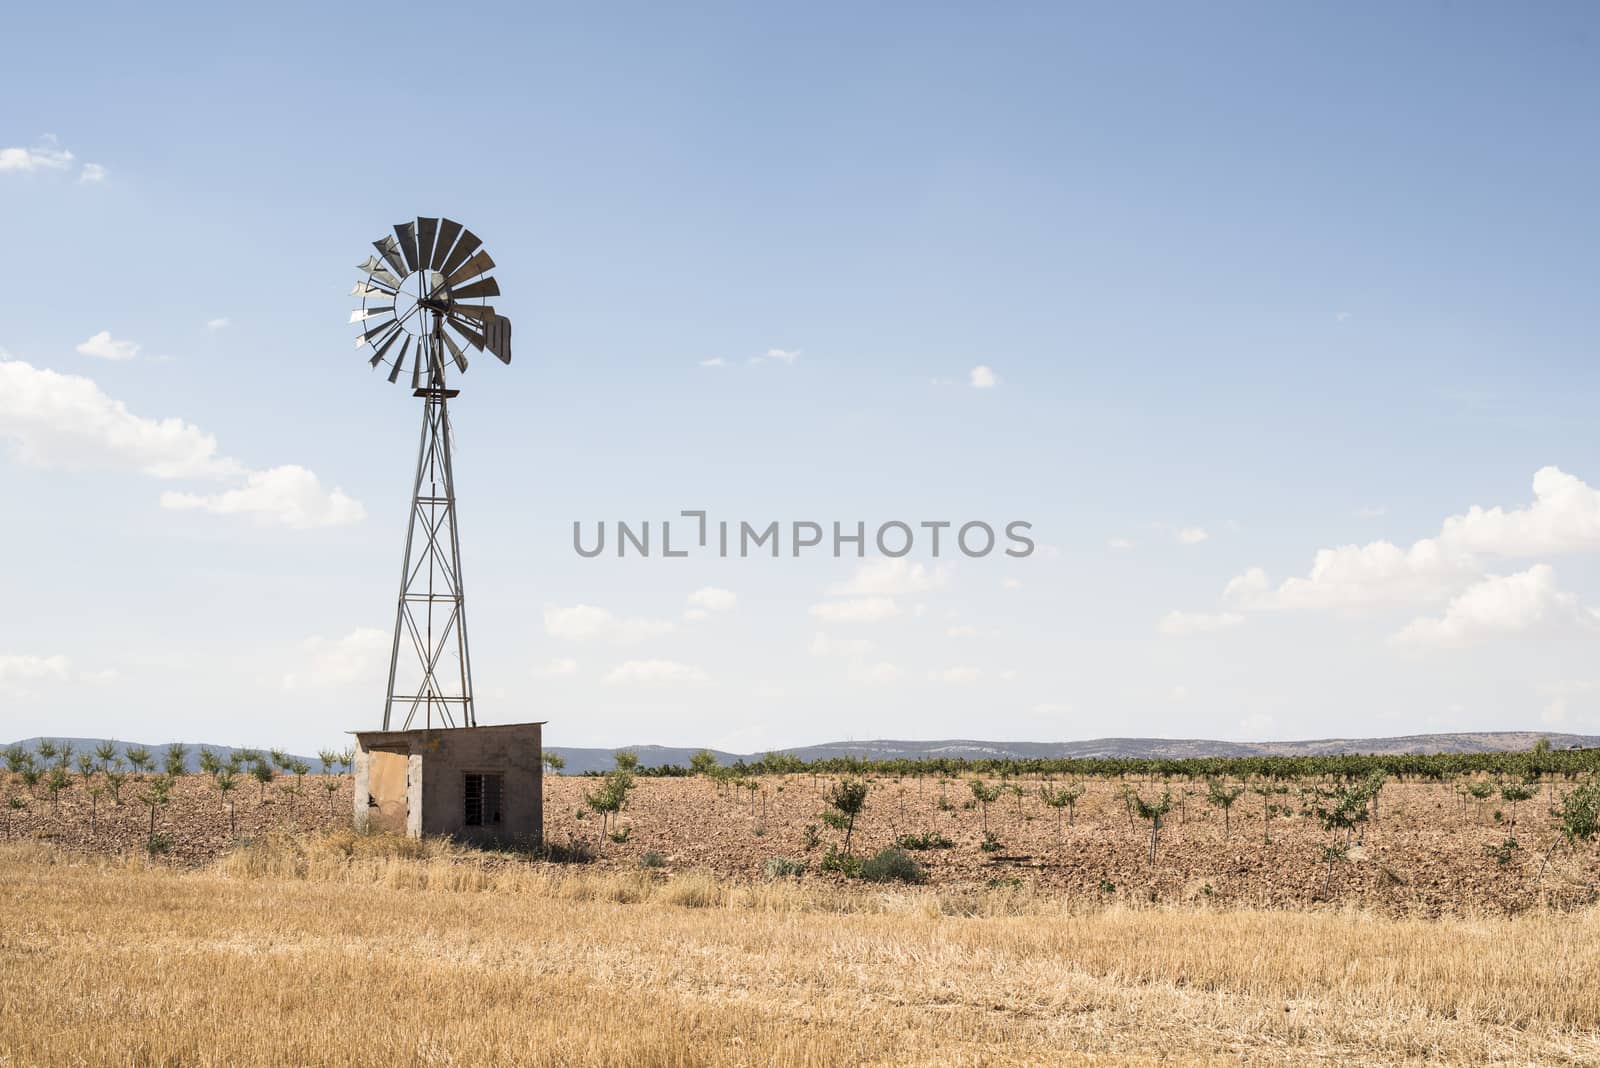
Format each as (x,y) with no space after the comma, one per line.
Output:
(421,291)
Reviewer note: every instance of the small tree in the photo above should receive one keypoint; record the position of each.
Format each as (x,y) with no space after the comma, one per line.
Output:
(106,752)
(30,774)
(157,792)
(554,761)
(845,801)
(279,758)
(1341,807)
(610,798)
(1580,821)
(227,782)
(263,774)
(1480,790)
(1061,797)
(1267,791)
(1220,795)
(86,768)
(46,750)
(139,760)
(176,764)
(55,782)
(1514,792)
(17,758)
(626,760)
(702,762)
(1153,811)
(983,794)
(330,765)
(208,761)
(115,777)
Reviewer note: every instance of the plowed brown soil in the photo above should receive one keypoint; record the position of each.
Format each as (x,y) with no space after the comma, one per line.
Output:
(1427,853)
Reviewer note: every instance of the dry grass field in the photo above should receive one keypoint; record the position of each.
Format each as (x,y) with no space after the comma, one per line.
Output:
(338,949)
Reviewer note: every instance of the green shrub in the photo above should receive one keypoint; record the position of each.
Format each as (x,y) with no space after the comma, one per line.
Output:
(844,863)
(925,840)
(783,867)
(991,842)
(159,844)
(891,865)
(652,859)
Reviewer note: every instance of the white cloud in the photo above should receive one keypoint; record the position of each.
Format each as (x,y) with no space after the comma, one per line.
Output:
(1355,577)
(963,631)
(23,667)
(783,356)
(655,673)
(825,645)
(1181,624)
(1572,705)
(106,348)
(47,155)
(360,656)
(713,599)
(874,674)
(1119,545)
(1564,517)
(1371,511)
(715,361)
(891,577)
(66,421)
(1192,535)
(956,676)
(982,377)
(585,622)
(1500,605)
(219,323)
(857,610)
(289,495)
(557,668)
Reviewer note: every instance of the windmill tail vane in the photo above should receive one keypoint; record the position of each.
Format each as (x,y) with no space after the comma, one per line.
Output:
(425,298)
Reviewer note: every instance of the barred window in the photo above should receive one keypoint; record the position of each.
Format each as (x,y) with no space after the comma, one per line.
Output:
(482,801)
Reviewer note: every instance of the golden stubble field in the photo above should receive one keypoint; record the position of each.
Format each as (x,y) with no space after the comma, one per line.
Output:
(1428,852)
(338,949)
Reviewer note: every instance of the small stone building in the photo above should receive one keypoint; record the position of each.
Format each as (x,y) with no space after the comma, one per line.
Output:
(473,783)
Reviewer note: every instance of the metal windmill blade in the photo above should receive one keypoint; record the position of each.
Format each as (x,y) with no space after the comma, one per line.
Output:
(389,249)
(426,229)
(449,230)
(479,263)
(497,336)
(465,247)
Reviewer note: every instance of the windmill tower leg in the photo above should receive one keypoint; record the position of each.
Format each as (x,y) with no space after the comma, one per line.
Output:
(430,626)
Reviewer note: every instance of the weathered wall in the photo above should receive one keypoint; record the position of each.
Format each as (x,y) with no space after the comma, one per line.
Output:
(439,760)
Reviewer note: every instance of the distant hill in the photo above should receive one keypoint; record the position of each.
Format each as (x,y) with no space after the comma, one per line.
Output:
(582,760)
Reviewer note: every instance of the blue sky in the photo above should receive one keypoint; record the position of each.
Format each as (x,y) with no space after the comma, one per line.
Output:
(1297,280)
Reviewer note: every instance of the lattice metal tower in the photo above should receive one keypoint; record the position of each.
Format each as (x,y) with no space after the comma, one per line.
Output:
(430,271)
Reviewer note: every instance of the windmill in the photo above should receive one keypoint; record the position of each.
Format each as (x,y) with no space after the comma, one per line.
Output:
(428,286)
